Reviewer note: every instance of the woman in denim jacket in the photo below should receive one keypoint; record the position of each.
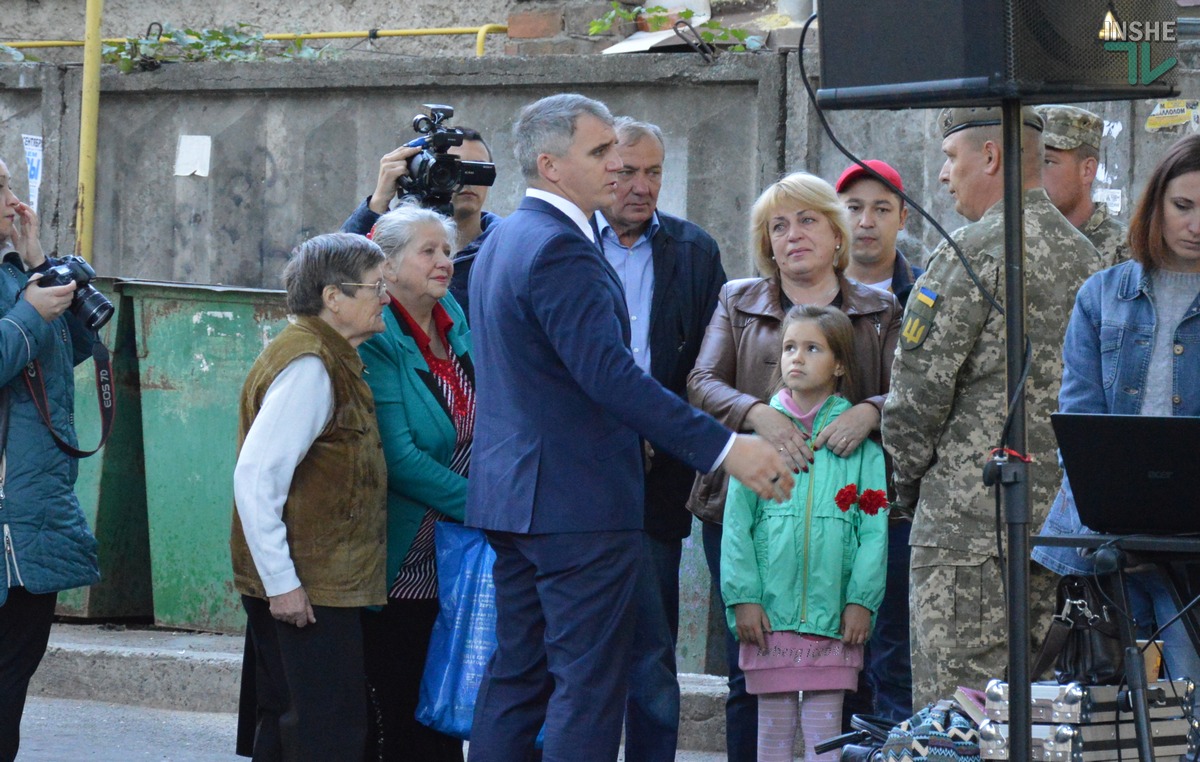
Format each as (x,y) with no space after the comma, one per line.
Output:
(1133,348)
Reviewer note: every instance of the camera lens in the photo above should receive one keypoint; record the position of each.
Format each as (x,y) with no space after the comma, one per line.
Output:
(91,307)
(442,174)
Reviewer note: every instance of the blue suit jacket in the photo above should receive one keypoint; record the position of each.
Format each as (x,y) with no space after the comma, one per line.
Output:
(560,402)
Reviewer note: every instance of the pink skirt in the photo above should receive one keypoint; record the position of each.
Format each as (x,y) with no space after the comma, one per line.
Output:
(795,662)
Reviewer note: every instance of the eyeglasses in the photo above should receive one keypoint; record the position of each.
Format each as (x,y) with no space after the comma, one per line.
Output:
(379,286)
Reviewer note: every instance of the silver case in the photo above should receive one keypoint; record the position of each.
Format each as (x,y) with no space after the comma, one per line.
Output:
(1089,743)
(1076,703)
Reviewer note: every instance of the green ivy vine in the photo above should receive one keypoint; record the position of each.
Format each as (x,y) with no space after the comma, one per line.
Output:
(658,18)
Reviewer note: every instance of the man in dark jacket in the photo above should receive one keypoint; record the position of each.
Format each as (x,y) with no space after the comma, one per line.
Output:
(877,214)
(671,271)
(473,223)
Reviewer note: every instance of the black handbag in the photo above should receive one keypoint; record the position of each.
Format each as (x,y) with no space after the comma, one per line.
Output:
(1083,642)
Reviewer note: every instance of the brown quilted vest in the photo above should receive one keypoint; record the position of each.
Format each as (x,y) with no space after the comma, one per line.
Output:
(336,509)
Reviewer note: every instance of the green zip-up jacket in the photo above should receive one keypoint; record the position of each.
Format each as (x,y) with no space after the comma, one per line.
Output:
(804,559)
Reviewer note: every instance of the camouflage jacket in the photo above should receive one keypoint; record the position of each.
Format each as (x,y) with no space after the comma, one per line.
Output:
(1107,235)
(948,397)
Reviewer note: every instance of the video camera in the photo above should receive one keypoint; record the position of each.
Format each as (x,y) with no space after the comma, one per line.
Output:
(434,174)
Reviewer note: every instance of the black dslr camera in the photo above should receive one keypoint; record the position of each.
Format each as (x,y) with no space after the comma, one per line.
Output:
(435,174)
(89,305)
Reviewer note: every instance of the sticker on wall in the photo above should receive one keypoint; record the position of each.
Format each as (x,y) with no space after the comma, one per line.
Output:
(33,160)
(1173,115)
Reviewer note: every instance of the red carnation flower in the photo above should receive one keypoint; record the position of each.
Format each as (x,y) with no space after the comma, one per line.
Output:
(872,501)
(846,497)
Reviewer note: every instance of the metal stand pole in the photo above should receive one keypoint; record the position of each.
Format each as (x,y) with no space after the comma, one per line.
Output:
(1015,481)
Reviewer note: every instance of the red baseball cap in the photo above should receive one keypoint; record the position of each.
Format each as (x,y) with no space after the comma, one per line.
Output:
(854,172)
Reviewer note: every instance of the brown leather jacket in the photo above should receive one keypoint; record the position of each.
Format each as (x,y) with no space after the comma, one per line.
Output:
(738,362)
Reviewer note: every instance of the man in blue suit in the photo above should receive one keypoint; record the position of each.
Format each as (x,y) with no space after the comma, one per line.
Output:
(556,472)
(672,274)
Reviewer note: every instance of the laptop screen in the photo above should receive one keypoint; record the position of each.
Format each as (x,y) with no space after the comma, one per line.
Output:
(1132,474)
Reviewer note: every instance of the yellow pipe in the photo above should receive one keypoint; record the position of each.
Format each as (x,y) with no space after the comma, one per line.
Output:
(480,32)
(89,118)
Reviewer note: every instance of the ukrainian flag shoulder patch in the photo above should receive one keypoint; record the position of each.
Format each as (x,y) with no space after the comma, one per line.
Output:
(922,307)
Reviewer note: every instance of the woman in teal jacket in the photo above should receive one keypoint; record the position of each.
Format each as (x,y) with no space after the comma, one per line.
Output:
(44,537)
(420,372)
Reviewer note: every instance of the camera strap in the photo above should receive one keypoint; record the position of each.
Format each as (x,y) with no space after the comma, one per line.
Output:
(105,398)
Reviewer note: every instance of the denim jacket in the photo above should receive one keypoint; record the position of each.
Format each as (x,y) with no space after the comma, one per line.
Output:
(1106,357)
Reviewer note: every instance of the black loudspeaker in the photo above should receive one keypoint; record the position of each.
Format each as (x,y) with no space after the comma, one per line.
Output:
(924,53)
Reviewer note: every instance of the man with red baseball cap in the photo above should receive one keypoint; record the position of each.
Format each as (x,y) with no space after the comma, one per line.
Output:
(877,214)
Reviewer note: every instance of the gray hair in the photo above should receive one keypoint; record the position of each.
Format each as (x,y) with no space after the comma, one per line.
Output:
(631,131)
(324,260)
(548,125)
(394,231)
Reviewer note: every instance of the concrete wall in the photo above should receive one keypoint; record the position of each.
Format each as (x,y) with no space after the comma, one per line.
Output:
(296,146)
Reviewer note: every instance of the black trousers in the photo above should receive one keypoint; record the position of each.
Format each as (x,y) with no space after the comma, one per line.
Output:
(25,620)
(310,693)
(396,640)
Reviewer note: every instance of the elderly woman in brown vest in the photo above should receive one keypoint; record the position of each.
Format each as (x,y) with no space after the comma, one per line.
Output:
(800,239)
(310,485)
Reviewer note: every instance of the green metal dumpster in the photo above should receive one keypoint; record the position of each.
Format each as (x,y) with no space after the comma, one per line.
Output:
(112,483)
(195,345)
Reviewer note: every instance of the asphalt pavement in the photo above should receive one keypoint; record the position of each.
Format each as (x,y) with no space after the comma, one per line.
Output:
(66,730)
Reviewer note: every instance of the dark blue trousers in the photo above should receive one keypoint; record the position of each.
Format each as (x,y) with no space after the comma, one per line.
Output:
(652,706)
(888,661)
(741,708)
(564,616)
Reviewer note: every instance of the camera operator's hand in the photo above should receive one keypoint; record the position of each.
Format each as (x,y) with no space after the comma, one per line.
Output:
(50,302)
(392,167)
(25,236)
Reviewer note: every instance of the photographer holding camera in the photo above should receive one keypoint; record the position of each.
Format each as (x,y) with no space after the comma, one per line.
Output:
(467,201)
(47,545)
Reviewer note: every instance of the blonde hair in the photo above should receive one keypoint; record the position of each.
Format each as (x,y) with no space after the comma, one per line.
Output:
(806,192)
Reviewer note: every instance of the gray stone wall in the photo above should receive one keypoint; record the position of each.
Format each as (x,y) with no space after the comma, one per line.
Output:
(295,146)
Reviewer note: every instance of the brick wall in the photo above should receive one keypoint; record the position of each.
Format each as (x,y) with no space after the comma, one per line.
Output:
(539,29)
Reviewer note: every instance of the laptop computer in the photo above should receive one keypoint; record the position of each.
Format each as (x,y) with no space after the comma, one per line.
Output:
(1132,474)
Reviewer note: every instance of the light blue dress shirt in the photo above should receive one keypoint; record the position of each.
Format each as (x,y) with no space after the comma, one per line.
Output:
(635,267)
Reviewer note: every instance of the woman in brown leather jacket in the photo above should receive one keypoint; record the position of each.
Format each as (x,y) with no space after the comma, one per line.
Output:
(800,238)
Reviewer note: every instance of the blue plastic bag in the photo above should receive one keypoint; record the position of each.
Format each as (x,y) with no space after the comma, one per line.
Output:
(464,634)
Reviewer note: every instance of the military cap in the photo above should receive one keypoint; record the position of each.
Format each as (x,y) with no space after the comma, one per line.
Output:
(1068,127)
(951,120)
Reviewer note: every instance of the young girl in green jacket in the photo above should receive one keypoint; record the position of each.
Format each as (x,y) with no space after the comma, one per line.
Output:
(802,579)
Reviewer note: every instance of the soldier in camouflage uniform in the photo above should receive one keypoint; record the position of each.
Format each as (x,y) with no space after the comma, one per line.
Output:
(1072,138)
(948,402)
